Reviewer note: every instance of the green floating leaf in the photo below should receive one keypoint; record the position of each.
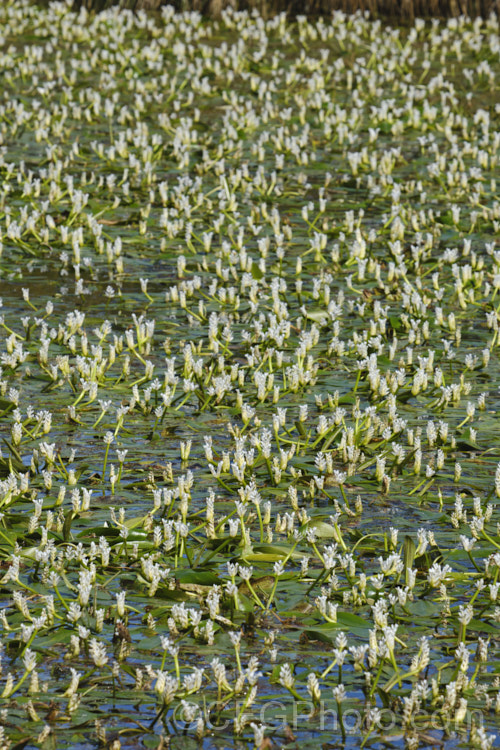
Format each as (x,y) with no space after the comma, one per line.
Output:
(276,551)
(345,621)
(5,406)
(132,523)
(317,315)
(480,626)
(200,577)
(323,530)
(256,272)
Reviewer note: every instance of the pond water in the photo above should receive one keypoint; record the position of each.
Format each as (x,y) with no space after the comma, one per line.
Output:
(249,470)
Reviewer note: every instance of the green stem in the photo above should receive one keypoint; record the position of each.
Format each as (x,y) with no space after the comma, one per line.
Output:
(256,598)
(104,465)
(16,687)
(377,678)
(273,591)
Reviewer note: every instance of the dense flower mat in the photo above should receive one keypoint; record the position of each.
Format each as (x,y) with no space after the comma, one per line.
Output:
(249,381)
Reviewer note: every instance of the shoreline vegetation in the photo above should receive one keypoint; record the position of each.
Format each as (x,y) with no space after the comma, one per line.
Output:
(397,10)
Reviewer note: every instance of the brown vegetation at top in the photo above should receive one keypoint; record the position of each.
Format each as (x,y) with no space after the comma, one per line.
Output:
(397,9)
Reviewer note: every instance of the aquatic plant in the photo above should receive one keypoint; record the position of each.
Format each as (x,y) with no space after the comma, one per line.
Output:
(250,463)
